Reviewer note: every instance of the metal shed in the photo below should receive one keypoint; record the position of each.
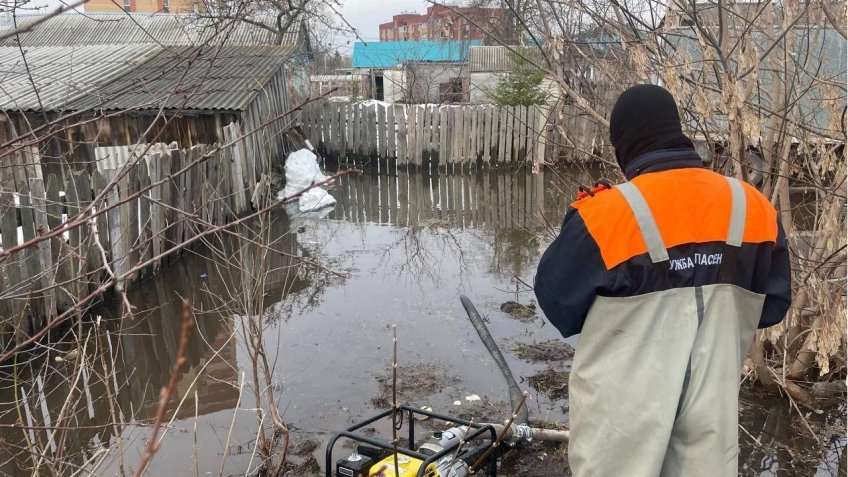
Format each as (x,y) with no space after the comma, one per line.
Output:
(112,95)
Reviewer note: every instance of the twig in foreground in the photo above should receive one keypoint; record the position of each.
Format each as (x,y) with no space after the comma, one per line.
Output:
(166,391)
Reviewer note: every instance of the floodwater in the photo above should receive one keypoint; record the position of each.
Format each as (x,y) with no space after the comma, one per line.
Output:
(396,250)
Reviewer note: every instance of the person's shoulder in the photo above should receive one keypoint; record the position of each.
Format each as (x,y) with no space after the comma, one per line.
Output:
(596,196)
(602,208)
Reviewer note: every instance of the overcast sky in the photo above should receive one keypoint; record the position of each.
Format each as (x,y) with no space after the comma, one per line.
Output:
(367,15)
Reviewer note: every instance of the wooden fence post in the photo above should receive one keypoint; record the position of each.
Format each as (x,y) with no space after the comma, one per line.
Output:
(382,130)
(45,271)
(145,236)
(401,120)
(443,135)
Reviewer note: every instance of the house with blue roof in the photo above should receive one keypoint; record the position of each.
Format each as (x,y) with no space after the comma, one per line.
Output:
(415,71)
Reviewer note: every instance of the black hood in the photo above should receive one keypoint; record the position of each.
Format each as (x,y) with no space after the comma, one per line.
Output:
(643,120)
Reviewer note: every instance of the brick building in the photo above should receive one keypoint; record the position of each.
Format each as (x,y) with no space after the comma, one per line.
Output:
(145,6)
(447,23)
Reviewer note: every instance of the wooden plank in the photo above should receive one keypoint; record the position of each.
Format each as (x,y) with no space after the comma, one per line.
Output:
(239,172)
(423,135)
(426,129)
(9,236)
(130,211)
(341,126)
(145,249)
(481,129)
(457,136)
(326,125)
(541,141)
(374,139)
(529,128)
(433,112)
(410,133)
(99,183)
(382,131)
(493,133)
(502,131)
(363,134)
(118,255)
(348,132)
(486,135)
(468,129)
(443,135)
(355,140)
(456,143)
(77,196)
(402,139)
(366,133)
(59,254)
(512,141)
(475,132)
(174,218)
(391,134)
(413,133)
(157,210)
(46,271)
(523,133)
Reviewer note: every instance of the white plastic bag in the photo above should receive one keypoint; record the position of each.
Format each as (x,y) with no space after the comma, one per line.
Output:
(316,198)
(302,170)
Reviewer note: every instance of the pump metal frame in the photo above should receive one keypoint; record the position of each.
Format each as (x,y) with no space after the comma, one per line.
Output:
(475,430)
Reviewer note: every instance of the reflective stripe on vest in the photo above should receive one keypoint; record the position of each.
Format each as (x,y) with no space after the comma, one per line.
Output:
(738,211)
(645,219)
(651,234)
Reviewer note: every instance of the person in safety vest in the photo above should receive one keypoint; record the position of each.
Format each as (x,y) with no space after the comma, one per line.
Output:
(666,277)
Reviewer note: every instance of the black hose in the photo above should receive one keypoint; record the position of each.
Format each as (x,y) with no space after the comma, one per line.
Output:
(515,394)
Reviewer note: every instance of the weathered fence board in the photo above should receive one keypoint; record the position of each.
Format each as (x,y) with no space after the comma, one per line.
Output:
(146,208)
(421,134)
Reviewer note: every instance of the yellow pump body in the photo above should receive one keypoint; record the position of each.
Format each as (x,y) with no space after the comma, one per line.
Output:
(407,467)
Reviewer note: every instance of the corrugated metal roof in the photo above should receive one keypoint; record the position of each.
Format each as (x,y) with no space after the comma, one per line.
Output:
(168,29)
(62,73)
(499,58)
(389,54)
(191,78)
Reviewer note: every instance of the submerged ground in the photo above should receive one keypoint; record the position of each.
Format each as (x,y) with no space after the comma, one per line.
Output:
(397,249)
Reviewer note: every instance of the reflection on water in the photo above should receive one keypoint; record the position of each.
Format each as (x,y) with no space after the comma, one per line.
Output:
(397,249)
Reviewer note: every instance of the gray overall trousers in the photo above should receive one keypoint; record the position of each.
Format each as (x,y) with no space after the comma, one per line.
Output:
(654,386)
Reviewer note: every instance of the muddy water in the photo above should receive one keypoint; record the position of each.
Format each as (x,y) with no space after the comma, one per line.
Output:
(396,250)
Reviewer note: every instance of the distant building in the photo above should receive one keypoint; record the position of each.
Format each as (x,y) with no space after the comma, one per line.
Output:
(488,65)
(447,23)
(145,6)
(352,86)
(415,71)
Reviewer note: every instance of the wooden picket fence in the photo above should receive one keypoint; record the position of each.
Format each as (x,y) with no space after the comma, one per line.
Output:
(193,193)
(416,134)
(493,198)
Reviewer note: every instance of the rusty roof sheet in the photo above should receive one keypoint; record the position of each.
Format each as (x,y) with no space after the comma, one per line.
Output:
(166,29)
(60,74)
(191,78)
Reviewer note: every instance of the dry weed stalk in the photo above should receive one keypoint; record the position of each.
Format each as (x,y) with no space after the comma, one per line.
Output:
(761,92)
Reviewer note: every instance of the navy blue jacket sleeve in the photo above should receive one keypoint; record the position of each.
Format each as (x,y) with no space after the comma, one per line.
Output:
(569,274)
(779,283)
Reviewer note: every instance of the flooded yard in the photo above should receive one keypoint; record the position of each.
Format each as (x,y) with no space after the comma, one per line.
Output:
(396,249)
